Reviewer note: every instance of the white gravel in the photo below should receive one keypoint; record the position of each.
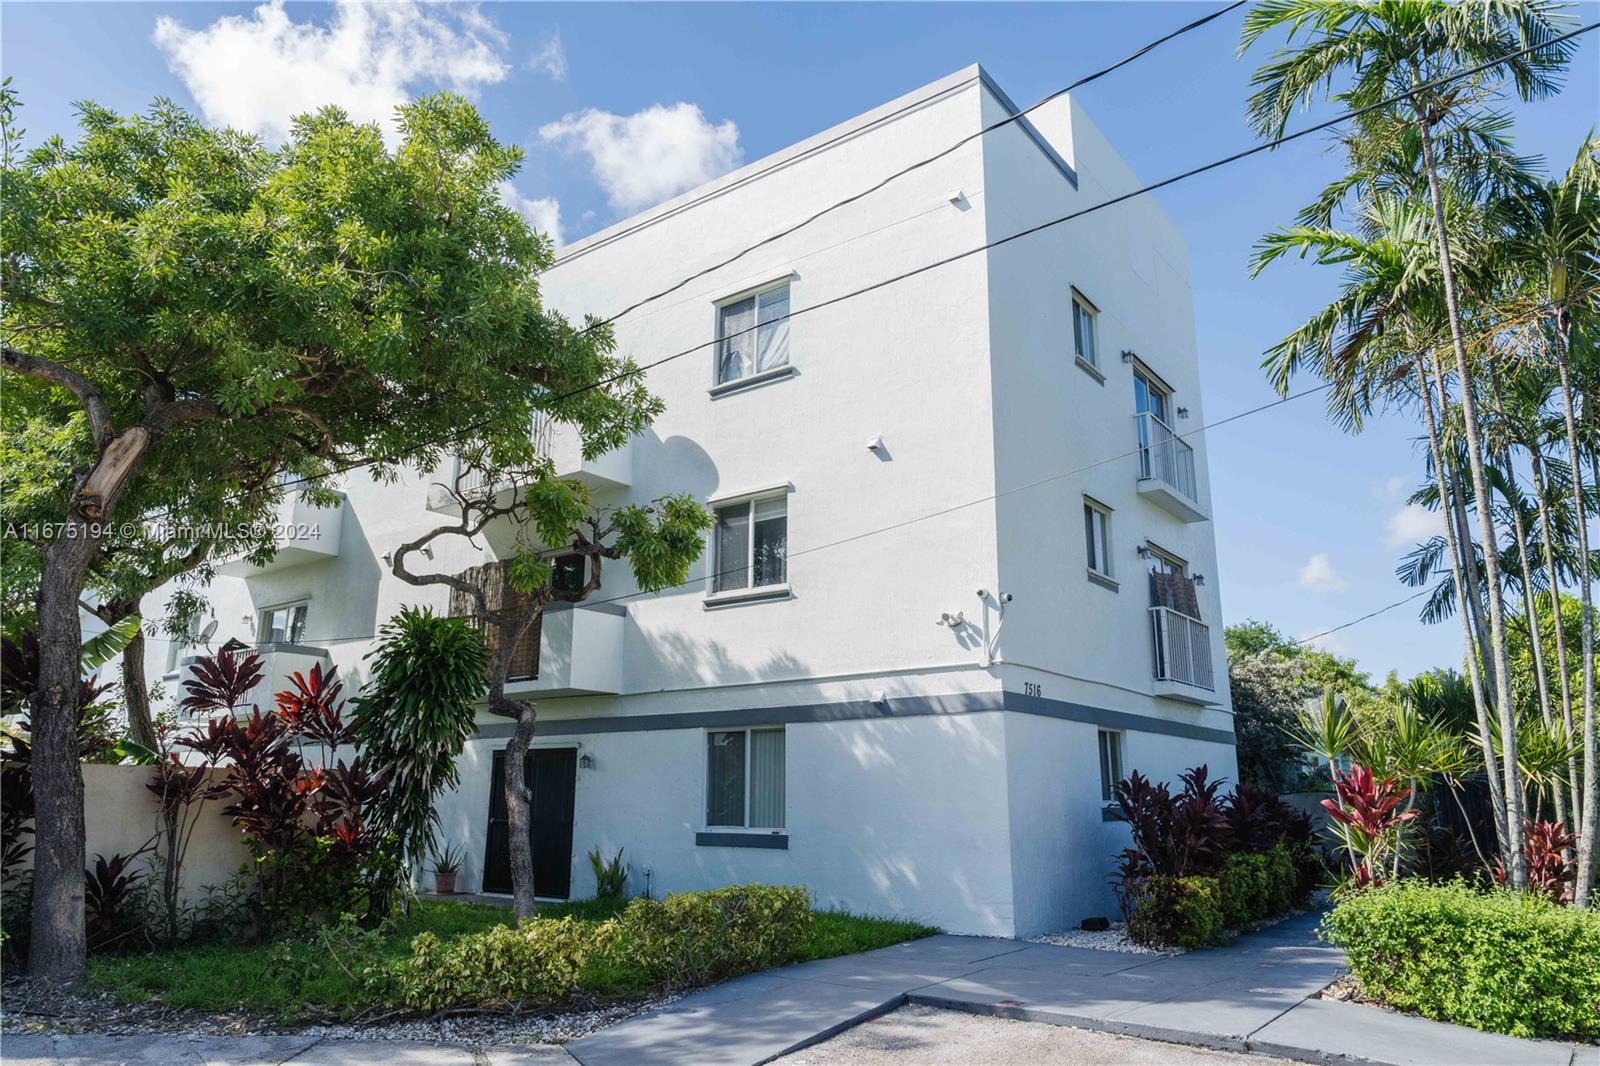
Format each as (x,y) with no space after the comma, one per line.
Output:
(1113,939)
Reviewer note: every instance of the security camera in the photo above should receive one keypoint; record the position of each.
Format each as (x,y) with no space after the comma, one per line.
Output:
(1006,598)
(983,594)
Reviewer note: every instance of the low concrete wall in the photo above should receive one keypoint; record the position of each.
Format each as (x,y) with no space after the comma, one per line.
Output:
(120,817)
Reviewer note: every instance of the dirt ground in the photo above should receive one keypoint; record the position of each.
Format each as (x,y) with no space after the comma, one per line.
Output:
(925,1036)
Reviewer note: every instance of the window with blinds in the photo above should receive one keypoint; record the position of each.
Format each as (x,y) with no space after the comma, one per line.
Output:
(745,779)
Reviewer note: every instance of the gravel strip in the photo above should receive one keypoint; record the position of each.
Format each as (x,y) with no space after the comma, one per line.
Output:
(34,1007)
(1113,939)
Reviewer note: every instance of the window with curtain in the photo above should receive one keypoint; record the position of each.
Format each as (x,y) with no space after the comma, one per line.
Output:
(753,334)
(1086,345)
(752,544)
(1097,536)
(745,779)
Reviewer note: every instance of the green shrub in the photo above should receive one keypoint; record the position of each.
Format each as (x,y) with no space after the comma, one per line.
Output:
(1242,888)
(1497,961)
(539,961)
(1185,912)
(695,938)
(1282,881)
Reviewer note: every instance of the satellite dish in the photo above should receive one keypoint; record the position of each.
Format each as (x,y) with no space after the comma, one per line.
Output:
(207,632)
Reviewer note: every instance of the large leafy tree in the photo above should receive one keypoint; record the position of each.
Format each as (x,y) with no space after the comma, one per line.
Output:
(219,313)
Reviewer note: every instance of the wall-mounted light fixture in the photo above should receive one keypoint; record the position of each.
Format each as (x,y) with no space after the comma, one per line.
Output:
(586,761)
(1129,356)
(1199,579)
(1183,412)
(1142,551)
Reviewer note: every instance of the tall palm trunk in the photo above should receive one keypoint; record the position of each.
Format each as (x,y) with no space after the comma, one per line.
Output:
(1542,489)
(1591,794)
(1530,605)
(1474,675)
(1516,863)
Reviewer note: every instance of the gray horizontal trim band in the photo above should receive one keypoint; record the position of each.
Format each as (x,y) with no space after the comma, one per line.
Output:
(777,841)
(862,710)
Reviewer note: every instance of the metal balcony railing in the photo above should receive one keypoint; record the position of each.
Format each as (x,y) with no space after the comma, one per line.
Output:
(1164,456)
(1182,647)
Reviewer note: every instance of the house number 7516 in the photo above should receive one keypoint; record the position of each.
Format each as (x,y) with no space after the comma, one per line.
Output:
(1030,689)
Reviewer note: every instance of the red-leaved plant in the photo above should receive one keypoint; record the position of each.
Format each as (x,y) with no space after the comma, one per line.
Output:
(1369,810)
(1545,847)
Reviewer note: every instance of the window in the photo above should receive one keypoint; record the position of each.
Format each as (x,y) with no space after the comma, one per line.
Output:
(1097,536)
(1110,763)
(283,625)
(752,544)
(753,334)
(744,778)
(1149,398)
(566,574)
(1164,562)
(1085,339)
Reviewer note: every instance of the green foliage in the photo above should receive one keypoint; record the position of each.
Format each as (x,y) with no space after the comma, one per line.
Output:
(662,540)
(1495,961)
(448,860)
(1184,912)
(539,961)
(415,715)
(696,938)
(1242,888)
(1268,689)
(610,876)
(346,968)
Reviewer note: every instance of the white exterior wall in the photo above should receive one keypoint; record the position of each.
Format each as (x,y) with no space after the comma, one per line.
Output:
(963,796)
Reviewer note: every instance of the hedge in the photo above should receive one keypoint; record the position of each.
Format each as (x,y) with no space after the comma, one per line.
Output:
(1490,960)
(696,938)
(1183,911)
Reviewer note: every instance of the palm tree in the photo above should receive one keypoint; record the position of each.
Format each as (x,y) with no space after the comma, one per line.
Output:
(1556,241)
(1392,47)
(1367,343)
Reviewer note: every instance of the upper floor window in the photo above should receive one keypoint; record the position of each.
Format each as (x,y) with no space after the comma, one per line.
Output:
(1150,398)
(753,334)
(752,544)
(282,625)
(1085,326)
(567,574)
(1097,536)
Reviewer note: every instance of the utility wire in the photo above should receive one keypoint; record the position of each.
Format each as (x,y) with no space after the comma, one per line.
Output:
(1102,72)
(916,519)
(1363,618)
(915,271)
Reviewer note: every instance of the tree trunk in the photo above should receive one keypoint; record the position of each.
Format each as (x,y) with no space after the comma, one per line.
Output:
(1446,495)
(135,695)
(1529,604)
(1591,793)
(1541,487)
(519,800)
(1516,863)
(57,943)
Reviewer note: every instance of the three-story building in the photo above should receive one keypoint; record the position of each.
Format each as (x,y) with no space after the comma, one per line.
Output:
(962,576)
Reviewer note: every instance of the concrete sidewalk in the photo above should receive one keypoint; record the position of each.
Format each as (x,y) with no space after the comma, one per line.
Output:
(1249,996)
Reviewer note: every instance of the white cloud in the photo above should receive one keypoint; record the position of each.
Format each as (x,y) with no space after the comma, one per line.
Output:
(551,57)
(257,72)
(1319,575)
(651,155)
(1411,524)
(543,214)
(1390,490)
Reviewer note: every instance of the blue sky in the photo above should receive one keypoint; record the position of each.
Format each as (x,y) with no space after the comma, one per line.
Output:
(1310,522)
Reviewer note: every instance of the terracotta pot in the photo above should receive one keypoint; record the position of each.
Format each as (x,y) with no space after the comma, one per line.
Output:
(444,884)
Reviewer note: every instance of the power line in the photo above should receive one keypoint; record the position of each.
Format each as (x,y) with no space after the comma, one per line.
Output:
(914,520)
(999,242)
(1102,72)
(1363,618)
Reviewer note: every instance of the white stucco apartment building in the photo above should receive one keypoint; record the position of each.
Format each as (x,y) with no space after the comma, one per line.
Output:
(919,721)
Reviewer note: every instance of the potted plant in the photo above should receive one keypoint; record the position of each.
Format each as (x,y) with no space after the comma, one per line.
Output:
(446,865)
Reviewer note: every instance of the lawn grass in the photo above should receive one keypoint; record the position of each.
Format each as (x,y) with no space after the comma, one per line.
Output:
(300,981)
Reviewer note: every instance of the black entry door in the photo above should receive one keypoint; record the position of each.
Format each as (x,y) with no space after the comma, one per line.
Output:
(552,776)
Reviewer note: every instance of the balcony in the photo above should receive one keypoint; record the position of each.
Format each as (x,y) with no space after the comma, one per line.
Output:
(279,662)
(304,532)
(1166,469)
(580,652)
(561,442)
(1181,648)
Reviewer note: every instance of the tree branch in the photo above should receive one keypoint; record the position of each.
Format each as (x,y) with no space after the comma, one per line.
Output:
(54,373)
